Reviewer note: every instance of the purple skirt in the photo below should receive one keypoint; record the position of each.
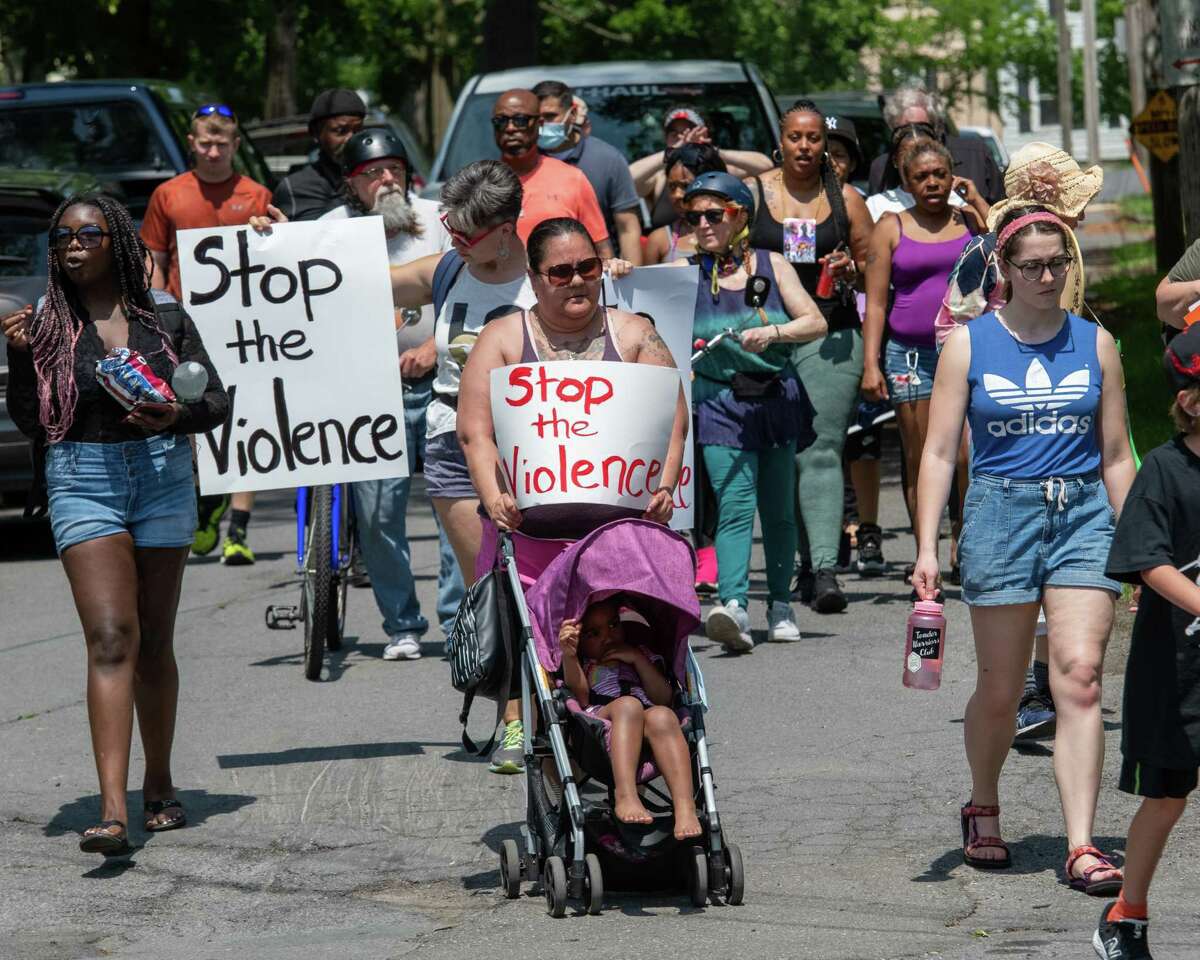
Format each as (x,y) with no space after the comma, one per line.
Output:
(722,420)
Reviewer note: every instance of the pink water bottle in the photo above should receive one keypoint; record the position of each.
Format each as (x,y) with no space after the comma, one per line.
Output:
(925,645)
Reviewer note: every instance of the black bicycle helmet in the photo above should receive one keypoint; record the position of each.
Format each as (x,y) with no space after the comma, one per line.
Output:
(375,143)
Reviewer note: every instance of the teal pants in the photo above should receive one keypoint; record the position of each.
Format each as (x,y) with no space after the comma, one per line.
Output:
(742,481)
(831,370)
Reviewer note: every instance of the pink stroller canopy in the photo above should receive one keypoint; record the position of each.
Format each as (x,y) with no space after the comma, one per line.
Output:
(654,566)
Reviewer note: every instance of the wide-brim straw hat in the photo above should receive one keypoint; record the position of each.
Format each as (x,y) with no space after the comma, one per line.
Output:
(1044,174)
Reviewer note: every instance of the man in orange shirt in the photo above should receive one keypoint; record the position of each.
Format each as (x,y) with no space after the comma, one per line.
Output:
(552,188)
(211,194)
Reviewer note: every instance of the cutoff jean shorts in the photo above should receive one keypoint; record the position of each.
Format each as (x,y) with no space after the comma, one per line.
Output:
(1021,536)
(141,487)
(909,371)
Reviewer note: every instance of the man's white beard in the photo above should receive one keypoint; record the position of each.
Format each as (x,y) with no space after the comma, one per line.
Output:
(398,215)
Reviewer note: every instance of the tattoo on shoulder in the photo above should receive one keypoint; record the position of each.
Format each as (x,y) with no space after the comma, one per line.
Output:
(654,346)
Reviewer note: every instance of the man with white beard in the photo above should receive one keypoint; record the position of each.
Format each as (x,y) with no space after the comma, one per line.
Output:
(377,183)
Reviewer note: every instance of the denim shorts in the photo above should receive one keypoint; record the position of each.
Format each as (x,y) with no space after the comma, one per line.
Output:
(141,487)
(446,473)
(909,371)
(1021,536)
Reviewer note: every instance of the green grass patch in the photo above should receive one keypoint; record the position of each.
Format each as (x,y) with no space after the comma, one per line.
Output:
(1134,257)
(1137,206)
(1125,303)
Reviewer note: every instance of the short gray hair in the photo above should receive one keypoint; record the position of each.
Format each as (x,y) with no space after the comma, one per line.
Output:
(482,194)
(906,97)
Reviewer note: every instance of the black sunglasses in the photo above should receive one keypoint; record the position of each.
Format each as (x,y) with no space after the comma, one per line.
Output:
(562,274)
(713,217)
(1032,270)
(208,109)
(519,120)
(89,237)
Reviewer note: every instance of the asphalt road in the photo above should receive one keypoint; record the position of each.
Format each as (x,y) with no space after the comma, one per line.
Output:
(341,819)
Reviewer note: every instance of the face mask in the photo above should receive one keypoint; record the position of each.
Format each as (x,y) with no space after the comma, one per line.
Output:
(553,135)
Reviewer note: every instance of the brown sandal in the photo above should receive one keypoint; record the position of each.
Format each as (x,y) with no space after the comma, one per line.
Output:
(1094,888)
(967,816)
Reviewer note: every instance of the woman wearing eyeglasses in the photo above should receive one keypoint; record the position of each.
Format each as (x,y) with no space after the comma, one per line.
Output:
(122,505)
(566,321)
(1051,465)
(752,414)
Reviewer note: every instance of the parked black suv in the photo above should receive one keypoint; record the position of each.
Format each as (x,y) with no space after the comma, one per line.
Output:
(131,132)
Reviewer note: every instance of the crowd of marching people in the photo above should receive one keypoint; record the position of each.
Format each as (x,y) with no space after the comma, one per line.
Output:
(948,295)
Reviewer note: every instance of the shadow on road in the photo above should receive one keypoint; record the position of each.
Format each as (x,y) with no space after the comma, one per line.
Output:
(78,815)
(342,751)
(22,539)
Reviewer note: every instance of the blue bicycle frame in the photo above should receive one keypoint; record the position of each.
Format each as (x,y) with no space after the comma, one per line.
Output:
(302,497)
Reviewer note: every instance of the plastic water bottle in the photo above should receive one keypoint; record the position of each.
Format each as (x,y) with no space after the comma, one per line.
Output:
(925,646)
(189,381)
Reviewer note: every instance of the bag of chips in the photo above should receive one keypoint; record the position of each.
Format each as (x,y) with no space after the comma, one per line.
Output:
(126,375)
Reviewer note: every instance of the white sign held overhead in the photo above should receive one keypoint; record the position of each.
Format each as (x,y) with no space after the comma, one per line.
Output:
(584,431)
(300,325)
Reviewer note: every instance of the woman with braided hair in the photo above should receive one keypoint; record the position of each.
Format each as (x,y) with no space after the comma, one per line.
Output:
(122,504)
(803,198)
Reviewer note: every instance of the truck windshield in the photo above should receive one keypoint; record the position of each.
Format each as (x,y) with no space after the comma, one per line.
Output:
(630,117)
(102,139)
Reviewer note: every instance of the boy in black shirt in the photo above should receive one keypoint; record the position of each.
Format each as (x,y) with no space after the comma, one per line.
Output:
(1157,544)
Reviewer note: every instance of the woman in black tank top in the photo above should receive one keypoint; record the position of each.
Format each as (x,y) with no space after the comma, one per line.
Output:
(807,215)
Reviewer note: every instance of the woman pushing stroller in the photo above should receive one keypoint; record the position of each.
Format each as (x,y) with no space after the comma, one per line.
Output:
(625,685)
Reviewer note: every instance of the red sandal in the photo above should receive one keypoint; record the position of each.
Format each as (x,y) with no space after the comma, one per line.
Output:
(1094,888)
(967,815)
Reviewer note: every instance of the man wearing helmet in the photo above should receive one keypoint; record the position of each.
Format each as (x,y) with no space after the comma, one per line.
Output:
(377,181)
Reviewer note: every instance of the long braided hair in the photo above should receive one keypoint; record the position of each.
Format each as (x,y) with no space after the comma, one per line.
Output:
(829,177)
(58,325)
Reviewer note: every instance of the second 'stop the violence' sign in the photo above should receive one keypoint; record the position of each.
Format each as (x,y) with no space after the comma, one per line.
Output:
(300,325)
(580,431)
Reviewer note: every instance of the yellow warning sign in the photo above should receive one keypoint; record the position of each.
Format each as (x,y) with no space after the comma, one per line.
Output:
(1157,127)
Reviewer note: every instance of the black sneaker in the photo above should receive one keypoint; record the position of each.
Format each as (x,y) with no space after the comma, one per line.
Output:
(1121,939)
(870,550)
(827,593)
(843,558)
(802,585)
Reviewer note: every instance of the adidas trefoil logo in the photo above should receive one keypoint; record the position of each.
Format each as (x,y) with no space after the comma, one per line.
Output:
(1041,398)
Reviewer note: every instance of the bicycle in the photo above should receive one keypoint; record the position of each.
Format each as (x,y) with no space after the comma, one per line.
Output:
(325,538)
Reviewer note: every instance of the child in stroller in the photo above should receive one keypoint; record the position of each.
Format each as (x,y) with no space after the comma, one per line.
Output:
(626,686)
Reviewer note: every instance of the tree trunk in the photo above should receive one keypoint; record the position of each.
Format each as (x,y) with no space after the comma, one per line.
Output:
(510,34)
(280,99)
(1189,160)
(1091,82)
(1066,104)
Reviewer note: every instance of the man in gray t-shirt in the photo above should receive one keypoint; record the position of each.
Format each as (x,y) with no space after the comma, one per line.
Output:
(605,168)
(1180,288)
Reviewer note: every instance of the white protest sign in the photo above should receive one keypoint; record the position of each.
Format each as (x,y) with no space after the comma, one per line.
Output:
(583,431)
(299,323)
(667,294)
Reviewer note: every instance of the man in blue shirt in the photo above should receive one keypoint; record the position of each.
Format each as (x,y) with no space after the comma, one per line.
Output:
(607,170)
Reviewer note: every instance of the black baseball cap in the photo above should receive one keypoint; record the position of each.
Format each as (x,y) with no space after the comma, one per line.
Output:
(1181,359)
(335,103)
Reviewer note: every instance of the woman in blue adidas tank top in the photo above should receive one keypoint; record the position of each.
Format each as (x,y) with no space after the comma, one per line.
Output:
(1042,390)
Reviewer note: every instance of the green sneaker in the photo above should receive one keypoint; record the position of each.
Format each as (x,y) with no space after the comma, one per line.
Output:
(510,755)
(208,531)
(237,552)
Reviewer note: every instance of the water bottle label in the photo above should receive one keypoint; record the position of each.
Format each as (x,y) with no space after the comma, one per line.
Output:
(925,642)
(914,662)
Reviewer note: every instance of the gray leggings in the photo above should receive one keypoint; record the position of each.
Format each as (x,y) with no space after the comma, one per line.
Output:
(831,370)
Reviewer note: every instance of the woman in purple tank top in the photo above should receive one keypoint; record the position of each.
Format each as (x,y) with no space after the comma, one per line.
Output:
(913,252)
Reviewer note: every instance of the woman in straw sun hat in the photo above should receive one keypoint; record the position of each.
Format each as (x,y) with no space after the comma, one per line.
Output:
(1040,177)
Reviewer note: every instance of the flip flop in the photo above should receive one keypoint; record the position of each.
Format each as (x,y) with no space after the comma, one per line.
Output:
(153,808)
(97,840)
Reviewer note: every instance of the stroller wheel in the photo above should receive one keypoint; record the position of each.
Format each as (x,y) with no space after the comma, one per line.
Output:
(510,869)
(735,879)
(554,882)
(699,877)
(593,884)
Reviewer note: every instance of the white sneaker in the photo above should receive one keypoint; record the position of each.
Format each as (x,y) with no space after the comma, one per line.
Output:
(403,646)
(729,625)
(781,623)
